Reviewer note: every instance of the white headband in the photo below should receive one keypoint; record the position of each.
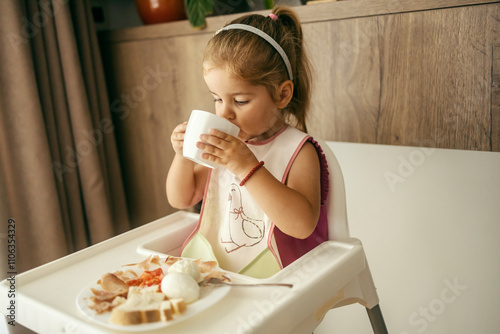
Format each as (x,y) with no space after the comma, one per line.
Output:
(268,38)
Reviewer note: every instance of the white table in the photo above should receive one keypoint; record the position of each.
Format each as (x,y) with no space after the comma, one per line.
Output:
(426,217)
(438,225)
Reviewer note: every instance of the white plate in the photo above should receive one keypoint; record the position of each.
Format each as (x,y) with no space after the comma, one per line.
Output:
(209,295)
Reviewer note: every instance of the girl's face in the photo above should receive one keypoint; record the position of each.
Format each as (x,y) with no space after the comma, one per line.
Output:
(249,107)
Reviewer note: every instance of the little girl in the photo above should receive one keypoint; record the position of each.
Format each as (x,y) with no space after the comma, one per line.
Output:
(263,207)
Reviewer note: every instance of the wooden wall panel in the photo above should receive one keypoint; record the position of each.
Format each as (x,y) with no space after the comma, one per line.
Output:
(494,19)
(154,84)
(345,97)
(495,98)
(436,68)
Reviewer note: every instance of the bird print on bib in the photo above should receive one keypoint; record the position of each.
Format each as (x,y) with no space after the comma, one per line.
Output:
(241,230)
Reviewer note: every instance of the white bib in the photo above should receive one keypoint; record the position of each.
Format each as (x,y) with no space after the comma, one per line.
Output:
(232,222)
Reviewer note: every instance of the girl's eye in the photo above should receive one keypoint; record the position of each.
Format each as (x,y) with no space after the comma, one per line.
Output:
(217,100)
(241,102)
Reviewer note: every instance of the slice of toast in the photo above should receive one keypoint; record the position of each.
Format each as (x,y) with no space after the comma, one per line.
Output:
(166,311)
(139,308)
(178,305)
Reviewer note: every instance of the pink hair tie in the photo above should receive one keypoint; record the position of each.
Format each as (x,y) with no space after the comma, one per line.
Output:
(273,16)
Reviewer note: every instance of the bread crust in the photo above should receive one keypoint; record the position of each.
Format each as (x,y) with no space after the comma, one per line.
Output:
(146,306)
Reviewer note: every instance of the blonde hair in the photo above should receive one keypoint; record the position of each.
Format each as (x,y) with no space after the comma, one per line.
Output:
(249,57)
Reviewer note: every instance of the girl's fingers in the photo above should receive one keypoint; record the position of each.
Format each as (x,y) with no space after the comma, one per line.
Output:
(222,135)
(216,141)
(205,147)
(182,128)
(218,133)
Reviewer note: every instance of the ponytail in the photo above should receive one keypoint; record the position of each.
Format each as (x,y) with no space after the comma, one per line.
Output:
(293,38)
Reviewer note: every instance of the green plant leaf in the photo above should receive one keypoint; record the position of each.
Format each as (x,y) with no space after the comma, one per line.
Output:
(197,10)
(269,4)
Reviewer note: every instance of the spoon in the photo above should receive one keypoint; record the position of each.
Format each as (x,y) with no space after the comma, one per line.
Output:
(218,281)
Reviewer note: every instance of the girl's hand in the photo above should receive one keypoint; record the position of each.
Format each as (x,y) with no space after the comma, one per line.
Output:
(177,137)
(227,151)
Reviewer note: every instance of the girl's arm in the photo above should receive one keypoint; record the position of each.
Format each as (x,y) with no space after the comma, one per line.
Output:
(185,180)
(295,207)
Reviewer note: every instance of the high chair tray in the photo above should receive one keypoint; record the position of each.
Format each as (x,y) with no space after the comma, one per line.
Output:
(45,296)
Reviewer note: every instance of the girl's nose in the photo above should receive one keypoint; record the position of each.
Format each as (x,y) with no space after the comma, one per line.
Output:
(225,111)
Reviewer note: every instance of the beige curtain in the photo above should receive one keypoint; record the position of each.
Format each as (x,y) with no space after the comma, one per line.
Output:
(59,170)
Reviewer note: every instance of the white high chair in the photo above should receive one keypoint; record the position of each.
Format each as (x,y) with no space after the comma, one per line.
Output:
(332,275)
(360,287)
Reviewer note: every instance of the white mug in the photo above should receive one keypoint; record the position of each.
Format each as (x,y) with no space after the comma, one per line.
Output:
(200,122)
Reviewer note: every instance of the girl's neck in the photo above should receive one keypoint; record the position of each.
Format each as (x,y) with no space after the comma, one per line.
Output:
(269,133)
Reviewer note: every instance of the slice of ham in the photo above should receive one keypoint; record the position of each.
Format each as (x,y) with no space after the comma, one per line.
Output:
(170,260)
(146,263)
(111,283)
(126,275)
(206,266)
(103,301)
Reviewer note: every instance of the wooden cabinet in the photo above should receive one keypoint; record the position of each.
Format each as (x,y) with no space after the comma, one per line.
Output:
(416,73)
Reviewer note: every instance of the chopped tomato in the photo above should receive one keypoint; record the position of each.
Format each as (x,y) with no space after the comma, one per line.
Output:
(147,278)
